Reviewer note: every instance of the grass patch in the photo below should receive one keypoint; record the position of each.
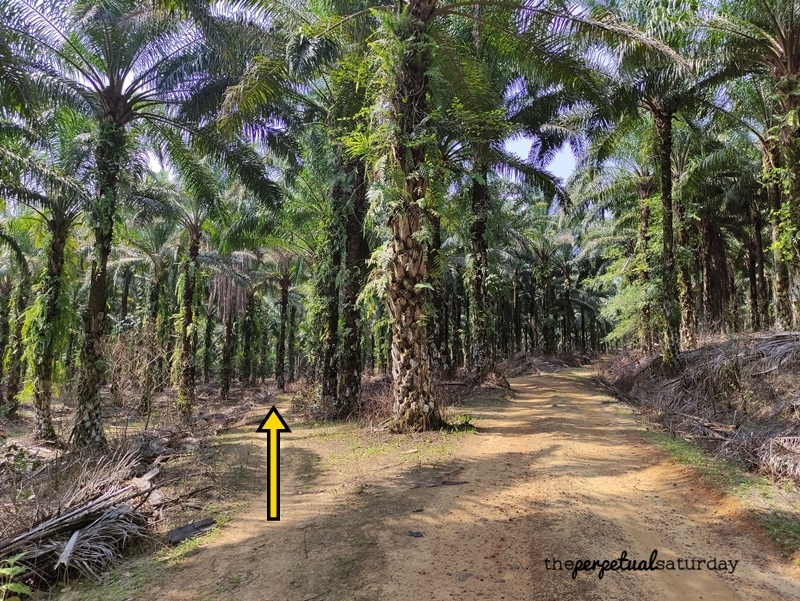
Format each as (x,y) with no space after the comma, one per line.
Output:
(118,585)
(171,556)
(775,506)
(136,574)
(311,423)
(462,422)
(727,475)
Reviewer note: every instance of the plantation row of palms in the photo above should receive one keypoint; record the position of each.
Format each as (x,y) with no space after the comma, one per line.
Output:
(254,189)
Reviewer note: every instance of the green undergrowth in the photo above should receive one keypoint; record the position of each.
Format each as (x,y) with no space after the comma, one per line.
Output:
(773,505)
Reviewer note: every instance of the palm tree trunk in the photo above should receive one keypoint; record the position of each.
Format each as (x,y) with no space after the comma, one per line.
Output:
(267,346)
(5,300)
(755,313)
(758,248)
(466,342)
(414,404)
(45,346)
(168,343)
(331,264)
(88,428)
(498,339)
(583,332)
(480,266)
(456,326)
(686,295)
(208,341)
(669,289)
(247,338)
(642,244)
(356,251)
(783,305)
(14,381)
(291,358)
(437,292)
(226,356)
(263,349)
(383,348)
(149,370)
(532,317)
(567,338)
(69,360)
(330,341)
(280,355)
(548,317)
(717,290)
(517,314)
(789,101)
(126,289)
(447,357)
(188,337)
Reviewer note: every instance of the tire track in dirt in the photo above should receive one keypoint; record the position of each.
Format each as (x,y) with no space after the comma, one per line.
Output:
(557,472)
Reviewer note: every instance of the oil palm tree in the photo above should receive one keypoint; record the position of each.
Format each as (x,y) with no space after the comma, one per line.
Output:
(502,90)
(149,246)
(411,37)
(718,183)
(663,87)
(617,176)
(50,186)
(752,105)
(333,106)
(763,39)
(232,289)
(754,109)
(283,267)
(189,201)
(13,239)
(121,62)
(406,88)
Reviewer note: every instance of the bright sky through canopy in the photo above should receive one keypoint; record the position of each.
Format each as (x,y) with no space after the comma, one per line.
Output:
(563,165)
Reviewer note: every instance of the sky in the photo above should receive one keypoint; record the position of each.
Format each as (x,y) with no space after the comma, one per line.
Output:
(563,164)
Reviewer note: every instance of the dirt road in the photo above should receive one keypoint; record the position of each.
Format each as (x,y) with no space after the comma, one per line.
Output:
(557,473)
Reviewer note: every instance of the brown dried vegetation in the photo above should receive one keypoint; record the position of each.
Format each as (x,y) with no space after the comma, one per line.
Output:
(78,512)
(741,397)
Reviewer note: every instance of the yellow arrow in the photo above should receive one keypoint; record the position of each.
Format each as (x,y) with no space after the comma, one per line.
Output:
(273,425)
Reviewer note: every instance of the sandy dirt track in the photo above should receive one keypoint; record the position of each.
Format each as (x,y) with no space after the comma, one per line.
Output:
(558,472)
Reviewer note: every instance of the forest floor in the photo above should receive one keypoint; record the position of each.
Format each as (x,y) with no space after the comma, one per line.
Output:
(556,470)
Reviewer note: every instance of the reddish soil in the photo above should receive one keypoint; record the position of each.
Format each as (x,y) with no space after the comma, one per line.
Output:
(557,472)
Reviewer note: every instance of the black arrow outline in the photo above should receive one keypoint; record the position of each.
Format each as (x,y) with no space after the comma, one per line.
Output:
(284,428)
